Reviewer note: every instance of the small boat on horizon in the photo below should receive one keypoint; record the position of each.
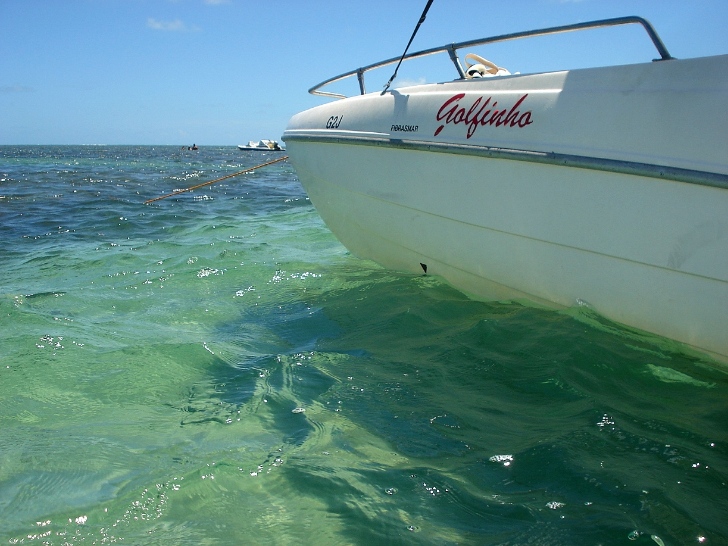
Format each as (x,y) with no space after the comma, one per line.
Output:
(262,146)
(605,187)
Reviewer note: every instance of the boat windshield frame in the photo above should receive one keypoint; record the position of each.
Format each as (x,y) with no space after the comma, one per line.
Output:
(453,48)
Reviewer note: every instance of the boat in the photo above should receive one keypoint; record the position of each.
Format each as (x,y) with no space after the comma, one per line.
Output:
(604,187)
(261,146)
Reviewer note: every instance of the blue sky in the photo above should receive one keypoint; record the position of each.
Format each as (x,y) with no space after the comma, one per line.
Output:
(222,72)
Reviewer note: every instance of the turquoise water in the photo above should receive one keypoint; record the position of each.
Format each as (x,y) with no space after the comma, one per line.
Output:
(215,368)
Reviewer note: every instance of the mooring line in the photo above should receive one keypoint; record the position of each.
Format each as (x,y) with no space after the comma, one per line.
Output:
(422,20)
(216,180)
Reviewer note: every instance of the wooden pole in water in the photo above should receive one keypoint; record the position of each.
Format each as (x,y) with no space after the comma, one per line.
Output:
(216,180)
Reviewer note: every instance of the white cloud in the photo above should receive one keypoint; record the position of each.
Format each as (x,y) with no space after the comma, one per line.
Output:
(408,82)
(175,26)
(16,89)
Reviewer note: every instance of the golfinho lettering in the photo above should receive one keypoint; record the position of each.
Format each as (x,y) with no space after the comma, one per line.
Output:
(483,111)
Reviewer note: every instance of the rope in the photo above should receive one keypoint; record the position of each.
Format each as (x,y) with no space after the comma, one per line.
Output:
(422,20)
(216,180)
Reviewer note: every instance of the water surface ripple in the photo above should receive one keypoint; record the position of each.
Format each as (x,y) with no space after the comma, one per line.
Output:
(216,368)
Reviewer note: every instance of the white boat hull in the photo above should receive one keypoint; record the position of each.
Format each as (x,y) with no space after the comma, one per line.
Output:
(614,198)
(261,146)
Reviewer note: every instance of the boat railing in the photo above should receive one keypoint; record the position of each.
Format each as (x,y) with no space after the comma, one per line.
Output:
(453,48)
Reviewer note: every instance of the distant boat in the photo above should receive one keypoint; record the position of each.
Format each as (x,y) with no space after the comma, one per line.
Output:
(262,146)
(603,186)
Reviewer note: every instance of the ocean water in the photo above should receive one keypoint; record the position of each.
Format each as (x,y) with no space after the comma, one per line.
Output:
(215,368)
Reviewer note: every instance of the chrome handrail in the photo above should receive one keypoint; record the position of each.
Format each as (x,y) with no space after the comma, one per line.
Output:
(452,49)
